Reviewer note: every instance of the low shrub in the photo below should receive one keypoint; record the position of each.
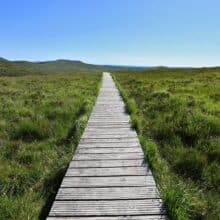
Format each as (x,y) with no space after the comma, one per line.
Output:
(30,130)
(211,177)
(160,94)
(190,163)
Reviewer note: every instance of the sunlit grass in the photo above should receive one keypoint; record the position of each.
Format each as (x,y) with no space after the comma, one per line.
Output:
(177,115)
(41,120)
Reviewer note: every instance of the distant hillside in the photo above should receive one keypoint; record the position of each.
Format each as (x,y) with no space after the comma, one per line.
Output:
(16,68)
(19,68)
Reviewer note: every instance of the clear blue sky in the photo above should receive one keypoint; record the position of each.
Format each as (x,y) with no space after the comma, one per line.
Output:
(130,32)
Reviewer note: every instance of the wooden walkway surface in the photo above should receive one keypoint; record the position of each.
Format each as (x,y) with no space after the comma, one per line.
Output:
(108,177)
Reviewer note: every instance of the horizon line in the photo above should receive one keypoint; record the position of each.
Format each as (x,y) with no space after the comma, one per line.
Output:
(119,65)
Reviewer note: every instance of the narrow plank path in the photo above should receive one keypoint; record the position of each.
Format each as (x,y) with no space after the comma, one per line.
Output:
(108,177)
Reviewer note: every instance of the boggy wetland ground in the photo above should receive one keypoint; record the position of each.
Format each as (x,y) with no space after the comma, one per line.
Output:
(41,121)
(177,115)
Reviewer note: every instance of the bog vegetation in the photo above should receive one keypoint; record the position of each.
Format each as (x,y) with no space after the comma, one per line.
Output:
(175,111)
(178,121)
(41,120)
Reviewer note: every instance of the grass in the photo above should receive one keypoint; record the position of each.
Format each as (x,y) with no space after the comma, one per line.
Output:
(178,122)
(41,121)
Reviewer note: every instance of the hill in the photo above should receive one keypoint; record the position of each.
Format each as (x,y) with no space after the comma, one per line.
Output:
(62,66)
(16,68)
(19,68)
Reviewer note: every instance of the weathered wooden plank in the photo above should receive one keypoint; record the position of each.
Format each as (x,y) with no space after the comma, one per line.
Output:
(110,130)
(109,140)
(106,115)
(114,96)
(109,102)
(109,107)
(107,193)
(107,163)
(110,133)
(109,110)
(109,144)
(124,156)
(107,95)
(104,105)
(110,124)
(109,116)
(108,181)
(109,120)
(109,207)
(114,116)
(109,150)
(108,136)
(110,171)
(104,97)
(137,217)
(119,115)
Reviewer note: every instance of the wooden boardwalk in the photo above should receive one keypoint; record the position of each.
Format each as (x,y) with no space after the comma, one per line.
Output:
(108,177)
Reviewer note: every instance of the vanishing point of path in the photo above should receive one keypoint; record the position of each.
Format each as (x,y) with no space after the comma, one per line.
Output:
(108,177)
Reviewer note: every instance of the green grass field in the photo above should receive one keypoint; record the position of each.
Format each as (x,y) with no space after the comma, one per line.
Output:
(177,115)
(175,111)
(41,120)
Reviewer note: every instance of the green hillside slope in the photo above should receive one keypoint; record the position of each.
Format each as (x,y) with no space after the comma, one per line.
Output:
(16,68)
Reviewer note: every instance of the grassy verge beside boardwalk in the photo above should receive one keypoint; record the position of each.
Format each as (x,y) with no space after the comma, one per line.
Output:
(176,113)
(41,121)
